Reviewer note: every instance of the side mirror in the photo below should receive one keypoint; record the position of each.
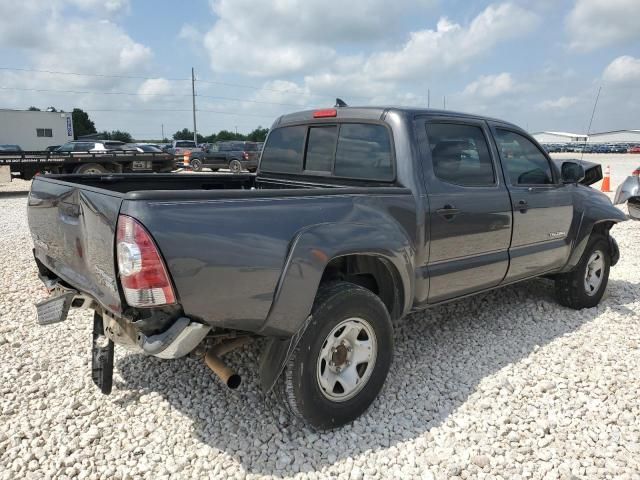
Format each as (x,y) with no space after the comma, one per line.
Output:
(572,172)
(634,207)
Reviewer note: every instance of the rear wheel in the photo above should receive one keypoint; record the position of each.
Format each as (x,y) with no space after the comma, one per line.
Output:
(584,286)
(91,168)
(235,166)
(342,360)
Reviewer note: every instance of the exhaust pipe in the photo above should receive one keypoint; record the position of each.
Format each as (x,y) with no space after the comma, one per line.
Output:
(229,377)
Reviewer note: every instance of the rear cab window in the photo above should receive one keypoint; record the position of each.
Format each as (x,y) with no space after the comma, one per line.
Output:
(349,150)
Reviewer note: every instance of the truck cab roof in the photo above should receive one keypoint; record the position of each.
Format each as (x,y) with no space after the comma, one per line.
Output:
(374,113)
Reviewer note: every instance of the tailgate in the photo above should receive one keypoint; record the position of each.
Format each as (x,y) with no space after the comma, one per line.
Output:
(73,230)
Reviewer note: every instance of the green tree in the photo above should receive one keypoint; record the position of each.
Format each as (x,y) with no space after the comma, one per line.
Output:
(186,134)
(34,109)
(258,135)
(121,136)
(82,124)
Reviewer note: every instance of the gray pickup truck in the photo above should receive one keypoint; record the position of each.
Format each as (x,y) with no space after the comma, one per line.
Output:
(356,217)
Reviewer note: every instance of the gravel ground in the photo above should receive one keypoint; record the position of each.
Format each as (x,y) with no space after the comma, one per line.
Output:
(504,385)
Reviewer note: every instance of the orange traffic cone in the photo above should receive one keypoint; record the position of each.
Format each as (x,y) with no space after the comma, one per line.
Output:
(186,160)
(606,181)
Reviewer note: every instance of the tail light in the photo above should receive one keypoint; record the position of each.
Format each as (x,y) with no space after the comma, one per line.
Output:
(143,275)
(245,155)
(636,172)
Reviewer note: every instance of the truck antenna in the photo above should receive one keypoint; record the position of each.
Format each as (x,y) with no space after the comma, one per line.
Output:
(593,113)
(340,103)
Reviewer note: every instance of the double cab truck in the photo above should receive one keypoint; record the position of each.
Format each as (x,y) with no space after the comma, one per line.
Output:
(356,217)
(236,156)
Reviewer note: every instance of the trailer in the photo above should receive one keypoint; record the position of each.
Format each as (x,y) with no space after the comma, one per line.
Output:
(26,165)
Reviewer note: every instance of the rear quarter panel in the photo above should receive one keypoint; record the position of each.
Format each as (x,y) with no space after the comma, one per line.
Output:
(226,256)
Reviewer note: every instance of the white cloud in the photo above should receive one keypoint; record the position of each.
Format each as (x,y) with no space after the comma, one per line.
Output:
(451,44)
(625,69)
(490,86)
(559,103)
(593,24)
(294,36)
(314,29)
(154,86)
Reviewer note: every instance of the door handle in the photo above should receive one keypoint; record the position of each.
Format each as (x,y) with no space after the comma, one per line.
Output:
(448,212)
(523,206)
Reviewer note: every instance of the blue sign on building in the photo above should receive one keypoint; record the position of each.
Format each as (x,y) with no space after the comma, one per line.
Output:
(69,127)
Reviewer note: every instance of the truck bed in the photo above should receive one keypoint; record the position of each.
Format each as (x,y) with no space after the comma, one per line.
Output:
(238,229)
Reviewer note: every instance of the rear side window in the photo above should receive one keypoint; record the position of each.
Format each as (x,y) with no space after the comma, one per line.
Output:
(524,162)
(185,144)
(364,151)
(321,145)
(351,150)
(283,152)
(460,154)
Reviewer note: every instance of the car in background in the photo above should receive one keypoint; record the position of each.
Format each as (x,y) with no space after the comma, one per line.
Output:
(234,155)
(52,148)
(91,146)
(142,148)
(10,148)
(629,191)
(619,148)
(635,149)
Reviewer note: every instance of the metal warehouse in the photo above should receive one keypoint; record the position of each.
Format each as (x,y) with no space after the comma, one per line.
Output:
(35,130)
(558,137)
(616,136)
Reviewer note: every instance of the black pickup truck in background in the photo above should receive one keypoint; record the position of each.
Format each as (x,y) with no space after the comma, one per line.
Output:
(236,156)
(356,217)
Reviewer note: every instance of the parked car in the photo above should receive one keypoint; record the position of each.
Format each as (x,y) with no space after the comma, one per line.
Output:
(629,188)
(356,217)
(141,148)
(92,146)
(236,156)
(10,148)
(52,148)
(635,149)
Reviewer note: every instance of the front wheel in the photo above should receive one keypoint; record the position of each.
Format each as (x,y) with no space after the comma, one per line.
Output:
(342,360)
(196,165)
(584,286)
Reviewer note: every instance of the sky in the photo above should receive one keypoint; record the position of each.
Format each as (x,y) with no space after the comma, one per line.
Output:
(537,63)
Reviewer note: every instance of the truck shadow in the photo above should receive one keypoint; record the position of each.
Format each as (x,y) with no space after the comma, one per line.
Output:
(442,355)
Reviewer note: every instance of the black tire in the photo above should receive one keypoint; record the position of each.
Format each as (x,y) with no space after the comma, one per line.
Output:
(91,168)
(571,289)
(196,165)
(298,387)
(235,166)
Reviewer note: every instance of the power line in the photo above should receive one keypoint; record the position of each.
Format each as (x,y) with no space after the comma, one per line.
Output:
(213,82)
(93,92)
(138,77)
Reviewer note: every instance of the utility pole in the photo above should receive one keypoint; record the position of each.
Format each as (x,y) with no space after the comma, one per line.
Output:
(162,132)
(444,103)
(428,98)
(193,97)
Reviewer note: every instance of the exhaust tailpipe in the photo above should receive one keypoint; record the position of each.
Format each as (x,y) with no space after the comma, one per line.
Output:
(228,376)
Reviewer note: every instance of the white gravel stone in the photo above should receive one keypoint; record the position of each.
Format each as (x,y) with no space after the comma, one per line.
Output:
(504,385)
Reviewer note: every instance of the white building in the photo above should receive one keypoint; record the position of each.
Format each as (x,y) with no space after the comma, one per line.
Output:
(559,137)
(616,136)
(35,130)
